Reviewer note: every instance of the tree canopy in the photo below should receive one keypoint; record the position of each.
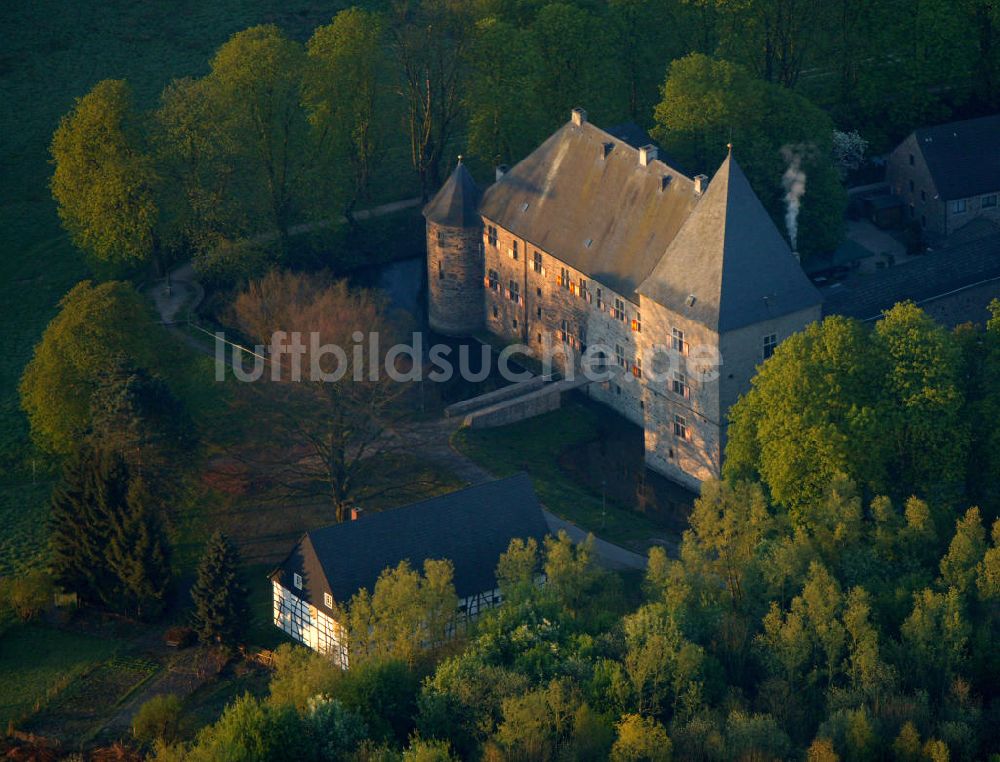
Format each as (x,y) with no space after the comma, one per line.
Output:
(96,324)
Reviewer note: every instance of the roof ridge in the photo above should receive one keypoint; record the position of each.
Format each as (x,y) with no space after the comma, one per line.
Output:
(456,492)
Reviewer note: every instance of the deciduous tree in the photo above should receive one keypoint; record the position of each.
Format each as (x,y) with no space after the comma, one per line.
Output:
(95,325)
(105,180)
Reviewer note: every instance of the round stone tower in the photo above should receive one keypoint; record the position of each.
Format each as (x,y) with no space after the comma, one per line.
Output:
(454,256)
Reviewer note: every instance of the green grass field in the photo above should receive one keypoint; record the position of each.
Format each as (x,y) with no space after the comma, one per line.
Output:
(38,662)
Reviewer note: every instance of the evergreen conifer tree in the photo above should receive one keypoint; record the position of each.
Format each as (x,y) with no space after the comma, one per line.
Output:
(138,555)
(106,544)
(92,488)
(220,599)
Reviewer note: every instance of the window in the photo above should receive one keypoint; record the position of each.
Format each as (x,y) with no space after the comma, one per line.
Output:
(538,312)
(538,292)
(677,342)
(513,250)
(514,292)
(637,368)
(514,323)
(297,580)
(564,278)
(637,322)
(491,236)
(582,288)
(957,207)
(440,237)
(493,280)
(679,385)
(496,312)
(619,310)
(680,427)
(600,301)
(618,390)
(620,355)
(989,201)
(440,270)
(912,161)
(770,342)
(563,331)
(538,262)
(328,600)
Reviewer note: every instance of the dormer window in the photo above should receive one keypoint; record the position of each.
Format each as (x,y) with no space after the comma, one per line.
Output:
(328,600)
(297,580)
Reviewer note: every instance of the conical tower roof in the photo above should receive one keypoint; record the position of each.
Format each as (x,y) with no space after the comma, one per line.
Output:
(457,203)
(729,267)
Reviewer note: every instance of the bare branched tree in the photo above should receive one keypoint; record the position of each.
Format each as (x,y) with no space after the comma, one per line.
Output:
(331,429)
(429,40)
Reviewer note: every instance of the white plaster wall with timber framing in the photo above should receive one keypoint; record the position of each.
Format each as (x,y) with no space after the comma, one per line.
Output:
(312,627)
(309,625)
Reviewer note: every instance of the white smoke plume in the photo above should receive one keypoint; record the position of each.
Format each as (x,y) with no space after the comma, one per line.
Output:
(794,183)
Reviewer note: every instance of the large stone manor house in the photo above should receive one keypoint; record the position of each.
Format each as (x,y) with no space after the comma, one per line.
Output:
(591,241)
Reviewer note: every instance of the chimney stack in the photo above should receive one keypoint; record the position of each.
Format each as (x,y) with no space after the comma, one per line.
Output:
(356,513)
(578,116)
(501,171)
(646,155)
(700,184)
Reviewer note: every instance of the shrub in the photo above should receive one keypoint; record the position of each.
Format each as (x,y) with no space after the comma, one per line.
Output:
(25,596)
(158,719)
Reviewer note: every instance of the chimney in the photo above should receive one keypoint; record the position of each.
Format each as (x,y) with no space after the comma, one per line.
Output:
(501,171)
(646,155)
(700,184)
(356,513)
(578,116)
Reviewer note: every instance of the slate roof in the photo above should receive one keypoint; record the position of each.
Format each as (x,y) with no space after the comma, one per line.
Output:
(962,264)
(471,527)
(568,192)
(456,204)
(731,258)
(637,137)
(963,157)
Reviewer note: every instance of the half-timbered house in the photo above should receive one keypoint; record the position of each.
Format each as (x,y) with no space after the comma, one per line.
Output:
(471,528)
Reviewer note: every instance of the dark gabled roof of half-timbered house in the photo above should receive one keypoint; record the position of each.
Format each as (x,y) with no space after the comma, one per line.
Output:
(471,528)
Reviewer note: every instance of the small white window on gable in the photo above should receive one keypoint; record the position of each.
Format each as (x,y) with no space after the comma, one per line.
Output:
(297,580)
(328,600)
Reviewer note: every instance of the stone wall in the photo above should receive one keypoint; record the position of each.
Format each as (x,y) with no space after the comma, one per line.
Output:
(558,312)
(454,279)
(743,350)
(683,422)
(538,402)
(914,184)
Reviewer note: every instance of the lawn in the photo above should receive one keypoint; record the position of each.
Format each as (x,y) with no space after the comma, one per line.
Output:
(565,452)
(37,663)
